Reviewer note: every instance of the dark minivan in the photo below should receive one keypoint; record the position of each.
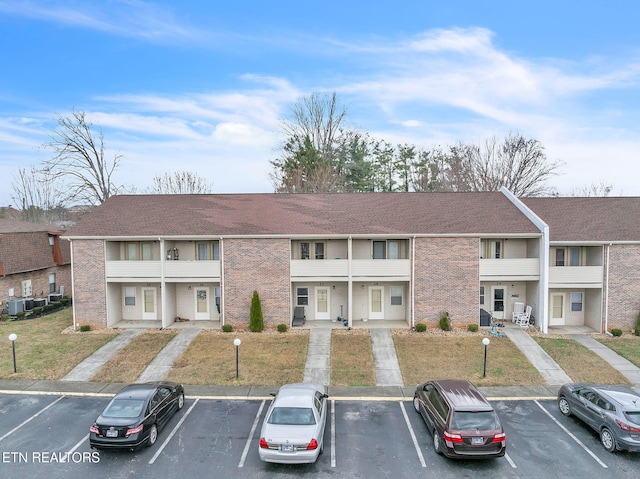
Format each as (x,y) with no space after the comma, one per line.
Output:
(460,419)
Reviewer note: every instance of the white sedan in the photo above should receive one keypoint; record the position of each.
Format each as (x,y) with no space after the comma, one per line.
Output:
(293,429)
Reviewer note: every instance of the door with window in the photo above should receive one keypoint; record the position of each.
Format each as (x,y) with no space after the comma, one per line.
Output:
(149,303)
(202,303)
(497,302)
(556,313)
(376,302)
(323,309)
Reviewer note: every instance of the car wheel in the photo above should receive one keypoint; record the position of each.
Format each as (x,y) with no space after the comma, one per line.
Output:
(416,403)
(153,435)
(564,407)
(180,401)
(607,440)
(437,442)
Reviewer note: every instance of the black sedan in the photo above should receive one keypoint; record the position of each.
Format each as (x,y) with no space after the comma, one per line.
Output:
(612,411)
(135,415)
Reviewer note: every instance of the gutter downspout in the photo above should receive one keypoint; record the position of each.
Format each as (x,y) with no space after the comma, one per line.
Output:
(349,282)
(413,282)
(73,288)
(543,283)
(606,294)
(163,289)
(222,316)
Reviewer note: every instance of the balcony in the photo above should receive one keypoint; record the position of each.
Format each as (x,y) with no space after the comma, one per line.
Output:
(575,276)
(510,269)
(152,270)
(383,269)
(320,269)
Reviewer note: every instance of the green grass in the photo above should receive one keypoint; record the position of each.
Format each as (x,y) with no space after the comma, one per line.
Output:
(626,346)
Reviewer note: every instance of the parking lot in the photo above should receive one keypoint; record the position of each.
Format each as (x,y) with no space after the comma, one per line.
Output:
(47,435)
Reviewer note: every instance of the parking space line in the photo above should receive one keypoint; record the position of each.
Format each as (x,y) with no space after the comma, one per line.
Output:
(28,420)
(175,429)
(333,433)
(250,438)
(72,450)
(413,435)
(513,464)
(580,443)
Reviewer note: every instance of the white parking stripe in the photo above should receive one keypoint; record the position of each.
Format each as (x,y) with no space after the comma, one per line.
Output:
(175,429)
(333,433)
(513,464)
(32,417)
(413,435)
(71,451)
(580,443)
(250,438)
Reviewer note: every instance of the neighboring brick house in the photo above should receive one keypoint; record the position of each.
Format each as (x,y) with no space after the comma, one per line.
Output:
(399,257)
(34,263)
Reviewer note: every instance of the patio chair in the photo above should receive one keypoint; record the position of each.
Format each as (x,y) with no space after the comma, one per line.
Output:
(518,309)
(299,317)
(523,318)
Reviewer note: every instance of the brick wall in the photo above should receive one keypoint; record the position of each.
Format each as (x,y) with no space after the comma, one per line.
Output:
(447,279)
(624,287)
(261,265)
(90,286)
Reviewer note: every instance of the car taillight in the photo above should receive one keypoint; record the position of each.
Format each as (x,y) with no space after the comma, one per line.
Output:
(263,443)
(452,437)
(626,427)
(134,430)
(499,437)
(95,430)
(312,445)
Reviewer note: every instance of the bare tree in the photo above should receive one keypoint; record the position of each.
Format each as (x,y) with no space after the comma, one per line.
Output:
(594,189)
(79,160)
(180,183)
(517,163)
(37,196)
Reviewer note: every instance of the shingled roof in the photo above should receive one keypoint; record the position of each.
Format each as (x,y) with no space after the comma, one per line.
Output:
(303,214)
(595,219)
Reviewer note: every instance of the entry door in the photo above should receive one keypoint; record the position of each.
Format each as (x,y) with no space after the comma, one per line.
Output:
(149,303)
(323,309)
(202,303)
(376,302)
(556,316)
(497,302)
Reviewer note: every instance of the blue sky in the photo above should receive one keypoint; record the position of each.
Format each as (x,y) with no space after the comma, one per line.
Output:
(202,86)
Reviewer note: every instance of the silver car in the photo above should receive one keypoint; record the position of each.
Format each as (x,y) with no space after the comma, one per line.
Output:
(612,411)
(293,429)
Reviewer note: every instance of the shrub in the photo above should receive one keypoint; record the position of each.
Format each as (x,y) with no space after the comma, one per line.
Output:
(616,332)
(256,321)
(85,327)
(445,322)
(638,325)
(282,328)
(37,311)
(21,315)
(421,327)
(227,328)
(473,328)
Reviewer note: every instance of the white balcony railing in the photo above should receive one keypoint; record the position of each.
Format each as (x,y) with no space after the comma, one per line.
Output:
(575,276)
(326,268)
(152,270)
(510,269)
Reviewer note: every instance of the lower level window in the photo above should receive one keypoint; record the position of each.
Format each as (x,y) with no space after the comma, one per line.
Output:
(576,301)
(129,296)
(302,296)
(396,295)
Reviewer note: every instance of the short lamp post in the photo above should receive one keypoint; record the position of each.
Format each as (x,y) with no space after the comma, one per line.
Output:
(12,338)
(236,343)
(486,342)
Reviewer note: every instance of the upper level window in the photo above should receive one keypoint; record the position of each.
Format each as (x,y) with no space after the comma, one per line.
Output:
(491,249)
(207,250)
(393,249)
(568,256)
(319,250)
(304,250)
(379,250)
(136,251)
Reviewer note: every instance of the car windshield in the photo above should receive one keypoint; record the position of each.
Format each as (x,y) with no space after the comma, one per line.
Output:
(468,420)
(292,416)
(124,408)
(633,416)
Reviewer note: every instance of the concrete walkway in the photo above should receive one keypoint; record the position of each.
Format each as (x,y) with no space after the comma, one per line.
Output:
(553,374)
(385,359)
(163,362)
(317,369)
(90,366)
(626,368)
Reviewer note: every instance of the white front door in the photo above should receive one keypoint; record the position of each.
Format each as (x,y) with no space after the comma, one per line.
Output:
(497,302)
(202,303)
(323,310)
(556,305)
(376,302)
(149,303)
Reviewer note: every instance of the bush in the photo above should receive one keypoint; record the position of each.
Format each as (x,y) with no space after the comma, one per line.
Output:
(473,328)
(37,311)
(85,327)
(616,332)
(21,315)
(638,325)
(282,328)
(421,327)
(227,328)
(445,322)
(256,321)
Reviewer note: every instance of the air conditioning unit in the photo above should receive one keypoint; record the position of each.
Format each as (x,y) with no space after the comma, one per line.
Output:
(15,306)
(28,304)
(55,297)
